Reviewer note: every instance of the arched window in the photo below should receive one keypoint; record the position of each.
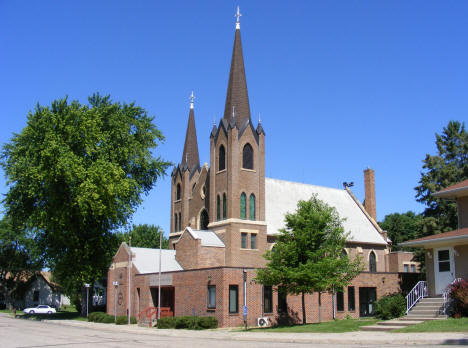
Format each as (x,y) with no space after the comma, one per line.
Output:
(175,223)
(204,220)
(372,262)
(218,208)
(247,157)
(224,206)
(243,198)
(180,222)
(344,254)
(178,192)
(252,207)
(221,158)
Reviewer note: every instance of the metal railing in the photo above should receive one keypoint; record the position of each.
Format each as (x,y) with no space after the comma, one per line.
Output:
(447,292)
(419,291)
(151,313)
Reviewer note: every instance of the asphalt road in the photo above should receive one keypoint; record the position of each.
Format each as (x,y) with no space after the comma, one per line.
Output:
(18,333)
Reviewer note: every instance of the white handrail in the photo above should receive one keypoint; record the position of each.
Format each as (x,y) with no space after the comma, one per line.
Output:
(447,291)
(419,291)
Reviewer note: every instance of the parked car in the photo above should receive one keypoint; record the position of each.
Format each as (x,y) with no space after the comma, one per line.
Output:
(41,309)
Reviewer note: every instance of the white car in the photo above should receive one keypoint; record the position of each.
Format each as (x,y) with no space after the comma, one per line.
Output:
(41,309)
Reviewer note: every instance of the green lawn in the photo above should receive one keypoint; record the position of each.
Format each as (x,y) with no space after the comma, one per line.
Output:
(449,325)
(337,326)
(67,313)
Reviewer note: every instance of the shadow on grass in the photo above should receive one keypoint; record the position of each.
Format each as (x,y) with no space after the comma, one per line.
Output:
(54,316)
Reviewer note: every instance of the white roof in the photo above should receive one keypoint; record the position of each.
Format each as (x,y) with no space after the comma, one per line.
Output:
(281,197)
(146,260)
(208,238)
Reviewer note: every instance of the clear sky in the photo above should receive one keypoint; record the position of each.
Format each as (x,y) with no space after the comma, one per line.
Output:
(340,85)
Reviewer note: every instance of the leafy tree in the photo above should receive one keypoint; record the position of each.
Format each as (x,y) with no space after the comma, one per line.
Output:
(19,258)
(144,236)
(448,167)
(401,227)
(76,173)
(308,254)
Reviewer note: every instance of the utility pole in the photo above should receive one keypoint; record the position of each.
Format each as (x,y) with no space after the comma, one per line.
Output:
(159,281)
(129,279)
(116,284)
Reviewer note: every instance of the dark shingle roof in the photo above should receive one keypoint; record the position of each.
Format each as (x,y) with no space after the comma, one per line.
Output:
(190,158)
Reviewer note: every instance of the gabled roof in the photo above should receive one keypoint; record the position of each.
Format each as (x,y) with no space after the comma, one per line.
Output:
(146,260)
(453,191)
(190,157)
(208,238)
(460,235)
(281,197)
(237,95)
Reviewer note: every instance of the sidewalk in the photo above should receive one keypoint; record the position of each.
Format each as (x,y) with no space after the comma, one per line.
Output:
(347,338)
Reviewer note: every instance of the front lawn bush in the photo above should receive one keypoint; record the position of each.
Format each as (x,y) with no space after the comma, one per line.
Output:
(123,320)
(100,317)
(458,294)
(187,322)
(390,306)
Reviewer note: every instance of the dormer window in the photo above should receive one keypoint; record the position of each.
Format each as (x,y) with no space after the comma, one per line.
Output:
(247,157)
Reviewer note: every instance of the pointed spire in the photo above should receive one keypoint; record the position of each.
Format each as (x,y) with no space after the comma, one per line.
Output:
(237,95)
(190,158)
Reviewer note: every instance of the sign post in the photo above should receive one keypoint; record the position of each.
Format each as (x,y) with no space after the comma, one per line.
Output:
(245,299)
(116,284)
(87,297)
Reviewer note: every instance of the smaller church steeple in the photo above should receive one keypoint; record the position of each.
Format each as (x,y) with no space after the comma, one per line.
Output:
(190,157)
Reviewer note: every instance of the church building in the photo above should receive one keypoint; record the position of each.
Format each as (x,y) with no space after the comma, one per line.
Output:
(226,215)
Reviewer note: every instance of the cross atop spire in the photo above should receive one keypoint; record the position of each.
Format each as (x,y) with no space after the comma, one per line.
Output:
(192,97)
(238,15)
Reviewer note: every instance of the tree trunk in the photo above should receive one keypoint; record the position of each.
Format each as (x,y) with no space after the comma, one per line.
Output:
(320,307)
(303,309)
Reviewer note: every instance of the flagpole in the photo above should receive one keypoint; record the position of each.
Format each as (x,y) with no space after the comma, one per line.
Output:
(159,282)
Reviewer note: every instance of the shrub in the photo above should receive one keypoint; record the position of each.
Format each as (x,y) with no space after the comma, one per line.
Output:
(100,317)
(390,306)
(208,322)
(123,320)
(187,322)
(166,323)
(458,294)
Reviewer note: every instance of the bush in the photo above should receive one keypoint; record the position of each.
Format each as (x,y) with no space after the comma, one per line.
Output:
(390,306)
(100,317)
(166,323)
(187,322)
(458,294)
(123,319)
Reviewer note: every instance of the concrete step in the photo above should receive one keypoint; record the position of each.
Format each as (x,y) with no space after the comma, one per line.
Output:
(423,318)
(398,322)
(379,328)
(432,300)
(424,311)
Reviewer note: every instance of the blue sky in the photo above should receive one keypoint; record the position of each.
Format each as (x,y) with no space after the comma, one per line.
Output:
(340,85)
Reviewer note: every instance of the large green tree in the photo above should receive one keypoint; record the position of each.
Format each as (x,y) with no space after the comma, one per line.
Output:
(449,166)
(144,236)
(20,258)
(401,227)
(76,173)
(308,254)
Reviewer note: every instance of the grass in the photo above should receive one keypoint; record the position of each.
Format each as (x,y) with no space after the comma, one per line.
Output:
(66,313)
(335,326)
(449,325)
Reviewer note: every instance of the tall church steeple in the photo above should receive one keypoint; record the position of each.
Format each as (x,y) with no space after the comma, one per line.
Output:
(190,158)
(237,97)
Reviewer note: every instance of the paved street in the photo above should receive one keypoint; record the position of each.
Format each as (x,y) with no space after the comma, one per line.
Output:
(28,334)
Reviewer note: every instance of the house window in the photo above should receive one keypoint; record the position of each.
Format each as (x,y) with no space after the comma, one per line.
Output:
(339,301)
(221,158)
(444,260)
(372,263)
(243,198)
(405,268)
(211,296)
(282,300)
(224,206)
(244,240)
(252,207)
(204,220)
(344,254)
(253,241)
(36,296)
(218,208)
(233,299)
(247,157)
(413,268)
(267,299)
(178,192)
(351,299)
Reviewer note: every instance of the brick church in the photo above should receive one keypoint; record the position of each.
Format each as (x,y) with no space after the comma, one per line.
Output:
(226,215)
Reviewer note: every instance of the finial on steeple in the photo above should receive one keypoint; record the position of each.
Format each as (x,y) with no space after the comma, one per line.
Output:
(214,120)
(238,15)
(259,118)
(192,97)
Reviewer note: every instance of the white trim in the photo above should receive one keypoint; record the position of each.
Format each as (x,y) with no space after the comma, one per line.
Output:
(233,220)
